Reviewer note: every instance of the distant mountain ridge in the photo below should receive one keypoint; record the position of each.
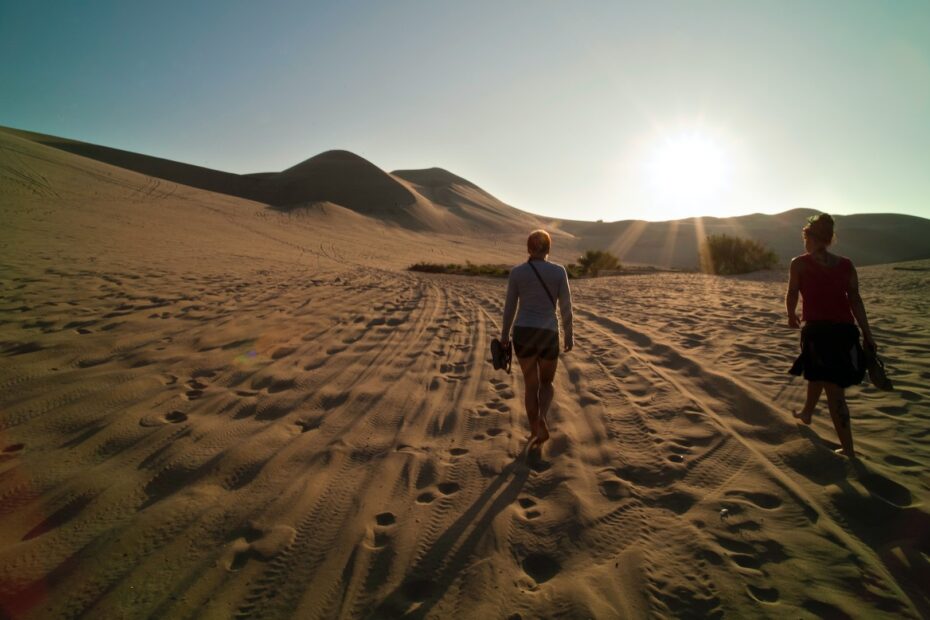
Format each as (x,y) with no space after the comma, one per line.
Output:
(436,200)
(867,239)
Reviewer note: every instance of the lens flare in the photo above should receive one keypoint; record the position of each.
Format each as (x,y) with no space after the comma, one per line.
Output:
(687,170)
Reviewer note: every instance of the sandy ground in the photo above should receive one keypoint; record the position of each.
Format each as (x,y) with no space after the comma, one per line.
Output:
(210,409)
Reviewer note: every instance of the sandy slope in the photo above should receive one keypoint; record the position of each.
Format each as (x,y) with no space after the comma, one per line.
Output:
(451,206)
(212,409)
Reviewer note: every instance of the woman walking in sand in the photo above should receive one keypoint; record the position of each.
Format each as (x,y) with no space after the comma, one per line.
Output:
(831,359)
(537,287)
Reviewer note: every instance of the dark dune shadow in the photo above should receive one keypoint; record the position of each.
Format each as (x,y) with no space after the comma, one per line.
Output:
(884,519)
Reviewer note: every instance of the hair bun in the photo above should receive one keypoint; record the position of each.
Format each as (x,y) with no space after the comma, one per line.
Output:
(821,226)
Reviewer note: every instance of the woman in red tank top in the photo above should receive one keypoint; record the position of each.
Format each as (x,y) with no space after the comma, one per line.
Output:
(831,357)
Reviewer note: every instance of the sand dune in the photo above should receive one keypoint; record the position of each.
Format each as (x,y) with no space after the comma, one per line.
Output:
(466,200)
(212,408)
(338,177)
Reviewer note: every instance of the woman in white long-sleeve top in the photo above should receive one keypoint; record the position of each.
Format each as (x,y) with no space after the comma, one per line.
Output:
(534,290)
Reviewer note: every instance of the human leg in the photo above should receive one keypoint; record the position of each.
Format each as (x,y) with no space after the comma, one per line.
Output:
(547,370)
(839,411)
(530,367)
(814,390)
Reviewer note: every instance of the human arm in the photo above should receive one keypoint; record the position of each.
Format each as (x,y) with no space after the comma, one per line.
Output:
(791,297)
(565,309)
(858,308)
(510,309)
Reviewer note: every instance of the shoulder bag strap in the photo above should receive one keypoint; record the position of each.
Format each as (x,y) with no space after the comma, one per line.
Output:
(541,281)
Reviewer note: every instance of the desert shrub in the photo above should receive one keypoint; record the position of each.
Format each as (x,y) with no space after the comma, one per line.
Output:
(589,265)
(468,269)
(725,255)
(592,262)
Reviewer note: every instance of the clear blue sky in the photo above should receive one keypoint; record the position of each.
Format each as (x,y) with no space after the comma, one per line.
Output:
(554,107)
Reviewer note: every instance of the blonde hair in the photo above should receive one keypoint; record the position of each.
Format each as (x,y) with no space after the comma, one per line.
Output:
(539,242)
(820,227)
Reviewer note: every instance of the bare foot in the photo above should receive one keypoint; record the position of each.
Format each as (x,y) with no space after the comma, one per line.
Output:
(804,416)
(542,432)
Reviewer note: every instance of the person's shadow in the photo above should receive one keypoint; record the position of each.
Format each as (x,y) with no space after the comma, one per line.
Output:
(428,580)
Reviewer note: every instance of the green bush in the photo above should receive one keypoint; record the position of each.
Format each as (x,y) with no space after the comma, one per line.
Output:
(468,269)
(725,255)
(595,261)
(589,265)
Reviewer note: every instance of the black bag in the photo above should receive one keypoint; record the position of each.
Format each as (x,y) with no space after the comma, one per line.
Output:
(501,356)
(876,370)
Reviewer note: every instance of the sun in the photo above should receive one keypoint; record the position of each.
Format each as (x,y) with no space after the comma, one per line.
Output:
(687,170)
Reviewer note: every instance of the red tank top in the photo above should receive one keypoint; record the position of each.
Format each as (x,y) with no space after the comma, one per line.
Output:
(824,290)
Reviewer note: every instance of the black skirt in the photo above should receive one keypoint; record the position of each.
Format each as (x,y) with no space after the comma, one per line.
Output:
(830,352)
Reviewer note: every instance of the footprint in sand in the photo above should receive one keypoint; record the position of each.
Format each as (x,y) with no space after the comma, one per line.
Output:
(541,567)
(762,500)
(746,561)
(503,389)
(498,405)
(195,389)
(528,504)
(900,461)
(382,536)
(695,416)
(763,595)
(448,488)
(614,489)
(587,398)
(176,417)
(309,425)
(453,370)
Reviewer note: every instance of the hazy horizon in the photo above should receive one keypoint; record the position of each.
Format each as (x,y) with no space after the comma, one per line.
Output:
(611,112)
